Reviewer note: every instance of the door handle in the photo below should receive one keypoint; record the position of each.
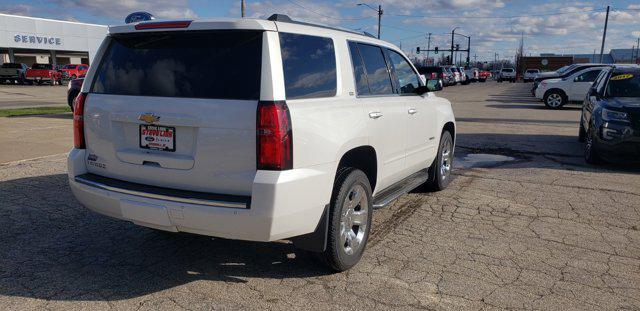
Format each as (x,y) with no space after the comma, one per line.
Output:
(375,114)
(412,111)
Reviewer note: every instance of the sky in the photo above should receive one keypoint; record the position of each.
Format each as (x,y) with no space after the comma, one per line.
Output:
(495,26)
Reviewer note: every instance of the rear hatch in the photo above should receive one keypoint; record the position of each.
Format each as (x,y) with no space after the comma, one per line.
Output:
(177,109)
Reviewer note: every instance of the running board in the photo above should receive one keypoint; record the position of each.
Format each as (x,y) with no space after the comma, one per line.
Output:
(390,194)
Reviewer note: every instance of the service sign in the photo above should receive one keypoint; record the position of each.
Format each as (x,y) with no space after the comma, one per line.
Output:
(36,40)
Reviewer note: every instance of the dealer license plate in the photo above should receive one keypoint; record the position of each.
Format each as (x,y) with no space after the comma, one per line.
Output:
(157,137)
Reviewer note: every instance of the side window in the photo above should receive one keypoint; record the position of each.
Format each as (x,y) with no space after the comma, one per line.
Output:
(408,80)
(362,86)
(602,81)
(376,69)
(588,76)
(309,65)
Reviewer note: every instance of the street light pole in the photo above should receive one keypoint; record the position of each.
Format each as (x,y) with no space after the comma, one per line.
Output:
(428,46)
(453,32)
(242,6)
(604,34)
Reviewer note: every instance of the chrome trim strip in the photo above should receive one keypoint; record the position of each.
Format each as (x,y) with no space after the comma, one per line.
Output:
(159,196)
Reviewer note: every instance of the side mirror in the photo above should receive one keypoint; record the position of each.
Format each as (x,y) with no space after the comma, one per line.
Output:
(434,85)
(421,90)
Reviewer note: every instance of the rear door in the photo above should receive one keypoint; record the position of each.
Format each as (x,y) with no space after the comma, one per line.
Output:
(385,110)
(177,109)
(421,125)
(581,84)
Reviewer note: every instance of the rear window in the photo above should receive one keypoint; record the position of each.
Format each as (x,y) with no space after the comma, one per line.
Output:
(427,70)
(11,65)
(532,71)
(507,70)
(309,65)
(201,64)
(42,66)
(624,84)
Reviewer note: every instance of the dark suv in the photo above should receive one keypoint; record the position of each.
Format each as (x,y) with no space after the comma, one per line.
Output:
(610,122)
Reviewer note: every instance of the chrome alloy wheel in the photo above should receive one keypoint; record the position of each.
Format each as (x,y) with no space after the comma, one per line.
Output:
(446,159)
(554,100)
(353,219)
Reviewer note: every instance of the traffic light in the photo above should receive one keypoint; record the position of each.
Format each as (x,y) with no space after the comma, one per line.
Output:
(418,50)
(436,50)
(467,61)
(447,59)
(457,47)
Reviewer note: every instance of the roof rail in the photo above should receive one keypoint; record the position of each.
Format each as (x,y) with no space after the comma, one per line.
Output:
(286,19)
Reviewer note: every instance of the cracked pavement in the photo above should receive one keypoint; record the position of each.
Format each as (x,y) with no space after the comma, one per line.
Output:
(545,231)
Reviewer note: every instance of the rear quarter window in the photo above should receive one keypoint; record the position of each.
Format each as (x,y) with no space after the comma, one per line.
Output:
(221,64)
(309,65)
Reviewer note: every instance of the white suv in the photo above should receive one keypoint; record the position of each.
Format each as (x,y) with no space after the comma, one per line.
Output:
(556,93)
(507,74)
(256,130)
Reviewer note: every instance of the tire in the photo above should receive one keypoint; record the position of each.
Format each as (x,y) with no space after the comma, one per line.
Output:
(554,99)
(440,170)
(590,153)
(582,135)
(349,220)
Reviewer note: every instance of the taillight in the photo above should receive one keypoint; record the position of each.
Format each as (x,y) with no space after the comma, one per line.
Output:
(78,121)
(443,76)
(274,136)
(434,75)
(159,25)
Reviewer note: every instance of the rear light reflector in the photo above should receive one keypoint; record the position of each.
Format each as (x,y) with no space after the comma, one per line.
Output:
(78,121)
(274,141)
(159,25)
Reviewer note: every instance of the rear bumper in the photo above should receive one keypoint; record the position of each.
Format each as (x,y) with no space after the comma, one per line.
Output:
(283,205)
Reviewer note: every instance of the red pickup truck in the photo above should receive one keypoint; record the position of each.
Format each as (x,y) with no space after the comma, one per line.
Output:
(40,73)
(73,71)
(484,75)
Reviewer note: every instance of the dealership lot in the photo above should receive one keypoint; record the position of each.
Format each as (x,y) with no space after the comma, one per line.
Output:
(525,224)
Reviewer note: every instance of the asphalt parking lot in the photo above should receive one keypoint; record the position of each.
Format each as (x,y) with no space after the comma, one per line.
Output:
(525,224)
(20,96)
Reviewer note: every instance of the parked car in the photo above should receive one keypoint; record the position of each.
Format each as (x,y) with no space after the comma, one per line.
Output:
(73,71)
(560,73)
(433,73)
(610,120)
(73,90)
(530,74)
(555,93)
(457,77)
(473,74)
(256,151)
(507,74)
(484,75)
(450,78)
(464,79)
(13,72)
(40,73)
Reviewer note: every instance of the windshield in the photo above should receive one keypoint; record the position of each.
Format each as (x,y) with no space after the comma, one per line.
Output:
(624,84)
(41,66)
(566,68)
(11,65)
(532,71)
(199,64)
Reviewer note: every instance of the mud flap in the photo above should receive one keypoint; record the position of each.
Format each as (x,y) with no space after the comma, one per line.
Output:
(315,241)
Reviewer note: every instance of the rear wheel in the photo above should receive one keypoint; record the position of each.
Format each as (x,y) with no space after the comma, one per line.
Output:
(349,220)
(554,99)
(440,170)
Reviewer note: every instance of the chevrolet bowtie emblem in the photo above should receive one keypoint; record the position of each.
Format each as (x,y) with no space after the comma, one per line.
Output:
(149,118)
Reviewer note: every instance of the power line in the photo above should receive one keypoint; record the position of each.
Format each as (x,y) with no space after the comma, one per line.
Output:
(327,16)
(496,17)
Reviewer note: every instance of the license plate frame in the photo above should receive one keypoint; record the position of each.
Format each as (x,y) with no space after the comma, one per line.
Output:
(166,143)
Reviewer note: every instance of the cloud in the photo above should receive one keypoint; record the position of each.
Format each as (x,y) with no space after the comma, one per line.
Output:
(17,9)
(163,9)
(304,10)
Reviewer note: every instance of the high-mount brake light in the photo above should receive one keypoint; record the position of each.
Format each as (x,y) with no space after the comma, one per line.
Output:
(163,25)
(274,140)
(78,121)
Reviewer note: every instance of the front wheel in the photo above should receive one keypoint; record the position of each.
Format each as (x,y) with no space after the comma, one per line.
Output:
(554,100)
(590,153)
(349,220)
(440,170)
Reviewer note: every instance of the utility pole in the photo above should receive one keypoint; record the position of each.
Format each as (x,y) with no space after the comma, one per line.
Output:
(380,18)
(428,46)
(453,32)
(604,34)
(379,10)
(637,51)
(242,7)
(468,50)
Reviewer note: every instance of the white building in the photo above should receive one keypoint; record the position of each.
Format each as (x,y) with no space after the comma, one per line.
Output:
(32,40)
